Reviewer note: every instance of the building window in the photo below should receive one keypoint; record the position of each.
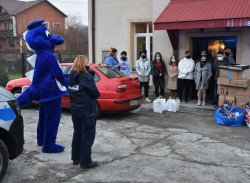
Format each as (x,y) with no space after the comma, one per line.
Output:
(8,25)
(11,42)
(105,54)
(143,39)
(57,26)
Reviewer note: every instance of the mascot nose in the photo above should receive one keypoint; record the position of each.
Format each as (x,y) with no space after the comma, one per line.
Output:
(56,39)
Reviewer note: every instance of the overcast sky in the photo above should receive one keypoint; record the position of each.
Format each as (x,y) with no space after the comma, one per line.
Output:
(77,8)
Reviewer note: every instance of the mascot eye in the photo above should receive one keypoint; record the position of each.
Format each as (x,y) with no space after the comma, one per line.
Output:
(47,34)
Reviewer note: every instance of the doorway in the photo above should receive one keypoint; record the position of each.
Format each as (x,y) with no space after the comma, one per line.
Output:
(143,40)
(212,45)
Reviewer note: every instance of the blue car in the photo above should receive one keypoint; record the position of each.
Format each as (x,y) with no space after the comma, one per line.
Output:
(11,130)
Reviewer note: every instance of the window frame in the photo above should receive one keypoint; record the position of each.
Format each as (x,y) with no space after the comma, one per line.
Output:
(11,42)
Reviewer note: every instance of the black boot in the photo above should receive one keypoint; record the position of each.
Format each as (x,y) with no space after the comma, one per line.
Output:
(76,162)
(90,165)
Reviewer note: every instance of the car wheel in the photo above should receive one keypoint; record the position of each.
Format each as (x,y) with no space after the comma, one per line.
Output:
(98,110)
(4,159)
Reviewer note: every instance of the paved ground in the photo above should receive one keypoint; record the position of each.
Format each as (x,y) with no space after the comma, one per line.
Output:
(142,147)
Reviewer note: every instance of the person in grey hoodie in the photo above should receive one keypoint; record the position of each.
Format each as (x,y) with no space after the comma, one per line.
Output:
(125,64)
(143,69)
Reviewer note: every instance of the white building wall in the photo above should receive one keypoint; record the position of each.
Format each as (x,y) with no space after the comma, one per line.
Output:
(161,42)
(113,22)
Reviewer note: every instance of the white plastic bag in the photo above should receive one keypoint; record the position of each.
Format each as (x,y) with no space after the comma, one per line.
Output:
(172,105)
(159,105)
(167,105)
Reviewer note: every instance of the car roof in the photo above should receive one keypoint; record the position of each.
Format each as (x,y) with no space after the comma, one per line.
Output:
(70,64)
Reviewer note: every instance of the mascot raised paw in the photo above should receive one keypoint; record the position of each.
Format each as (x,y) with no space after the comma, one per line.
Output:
(47,84)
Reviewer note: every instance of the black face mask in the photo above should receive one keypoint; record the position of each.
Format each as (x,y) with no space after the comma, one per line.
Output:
(227,54)
(188,56)
(124,58)
(143,56)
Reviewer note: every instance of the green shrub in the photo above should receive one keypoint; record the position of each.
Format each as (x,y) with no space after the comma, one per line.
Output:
(4,79)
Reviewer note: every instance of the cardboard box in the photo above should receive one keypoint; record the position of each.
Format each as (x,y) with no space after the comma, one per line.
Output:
(242,100)
(221,99)
(244,83)
(230,99)
(231,74)
(243,91)
(226,90)
(223,81)
(239,67)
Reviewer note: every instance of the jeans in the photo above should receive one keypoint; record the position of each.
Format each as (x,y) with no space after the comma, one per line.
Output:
(159,84)
(145,85)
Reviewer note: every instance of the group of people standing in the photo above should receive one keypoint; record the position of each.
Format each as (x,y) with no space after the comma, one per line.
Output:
(181,74)
(83,91)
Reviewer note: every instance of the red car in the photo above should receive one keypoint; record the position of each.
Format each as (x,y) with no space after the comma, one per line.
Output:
(117,92)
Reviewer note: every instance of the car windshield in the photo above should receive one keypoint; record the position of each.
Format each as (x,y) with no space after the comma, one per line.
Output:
(110,72)
(66,69)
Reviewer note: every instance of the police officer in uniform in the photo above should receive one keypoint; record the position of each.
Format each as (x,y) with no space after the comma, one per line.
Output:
(83,94)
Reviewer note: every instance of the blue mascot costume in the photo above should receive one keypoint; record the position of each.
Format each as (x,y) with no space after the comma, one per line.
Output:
(48,84)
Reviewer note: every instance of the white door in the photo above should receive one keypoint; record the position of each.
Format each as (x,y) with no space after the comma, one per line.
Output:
(143,40)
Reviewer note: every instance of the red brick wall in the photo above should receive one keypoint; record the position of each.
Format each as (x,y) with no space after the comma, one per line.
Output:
(41,11)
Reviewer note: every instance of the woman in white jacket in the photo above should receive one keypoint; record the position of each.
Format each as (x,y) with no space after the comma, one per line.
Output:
(185,77)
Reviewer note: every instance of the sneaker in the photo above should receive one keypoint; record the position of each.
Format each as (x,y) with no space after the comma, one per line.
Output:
(199,103)
(147,100)
(203,103)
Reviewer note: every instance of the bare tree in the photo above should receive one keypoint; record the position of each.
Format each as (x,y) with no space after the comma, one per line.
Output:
(76,37)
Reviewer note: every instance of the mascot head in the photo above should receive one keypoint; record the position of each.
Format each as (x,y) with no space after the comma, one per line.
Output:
(38,37)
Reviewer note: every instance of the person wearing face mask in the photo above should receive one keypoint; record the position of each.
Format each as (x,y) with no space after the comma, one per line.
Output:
(220,60)
(185,76)
(173,74)
(125,64)
(111,60)
(202,75)
(158,70)
(229,55)
(143,69)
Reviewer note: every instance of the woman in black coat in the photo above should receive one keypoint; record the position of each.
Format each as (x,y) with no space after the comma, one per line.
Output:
(158,70)
(83,94)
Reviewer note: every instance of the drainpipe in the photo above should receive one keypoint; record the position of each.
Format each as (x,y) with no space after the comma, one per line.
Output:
(93,31)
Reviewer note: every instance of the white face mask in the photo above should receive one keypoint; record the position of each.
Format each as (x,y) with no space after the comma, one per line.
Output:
(173,60)
(220,58)
(158,58)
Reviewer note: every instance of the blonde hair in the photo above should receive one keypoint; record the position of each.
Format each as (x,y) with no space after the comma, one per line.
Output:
(80,63)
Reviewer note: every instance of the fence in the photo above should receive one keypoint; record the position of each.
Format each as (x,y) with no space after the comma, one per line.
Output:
(13,66)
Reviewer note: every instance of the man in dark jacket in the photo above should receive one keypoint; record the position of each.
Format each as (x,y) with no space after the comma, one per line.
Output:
(83,95)
(221,60)
(158,70)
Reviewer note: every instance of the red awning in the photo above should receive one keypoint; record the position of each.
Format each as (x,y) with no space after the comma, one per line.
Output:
(193,14)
